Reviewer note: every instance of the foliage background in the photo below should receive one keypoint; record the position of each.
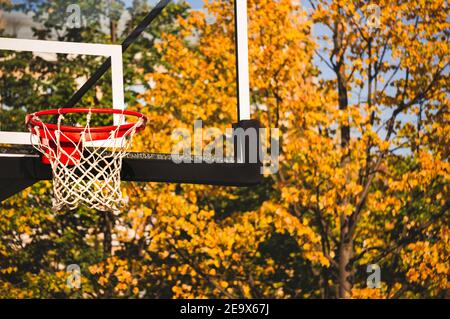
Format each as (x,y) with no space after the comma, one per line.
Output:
(364,174)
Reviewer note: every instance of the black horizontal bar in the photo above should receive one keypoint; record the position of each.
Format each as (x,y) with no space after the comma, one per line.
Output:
(18,173)
(230,174)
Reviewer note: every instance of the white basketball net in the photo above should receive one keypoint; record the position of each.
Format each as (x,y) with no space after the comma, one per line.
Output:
(94,179)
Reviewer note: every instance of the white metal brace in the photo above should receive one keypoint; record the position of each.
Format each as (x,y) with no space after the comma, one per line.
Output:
(242,59)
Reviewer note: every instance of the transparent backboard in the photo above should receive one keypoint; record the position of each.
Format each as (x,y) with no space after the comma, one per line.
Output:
(49,49)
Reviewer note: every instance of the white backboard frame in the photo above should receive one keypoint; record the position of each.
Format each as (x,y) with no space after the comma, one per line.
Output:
(106,50)
(242,59)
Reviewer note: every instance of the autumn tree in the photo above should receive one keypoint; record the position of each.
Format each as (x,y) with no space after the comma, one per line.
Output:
(389,173)
(364,159)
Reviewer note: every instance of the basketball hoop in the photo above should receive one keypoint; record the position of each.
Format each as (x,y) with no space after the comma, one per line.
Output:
(86,160)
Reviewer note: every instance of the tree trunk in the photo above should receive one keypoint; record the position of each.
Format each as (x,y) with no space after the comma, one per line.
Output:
(107,235)
(345,243)
(112,23)
(345,255)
